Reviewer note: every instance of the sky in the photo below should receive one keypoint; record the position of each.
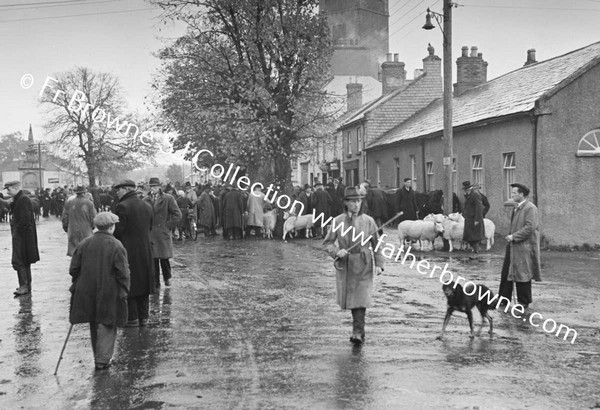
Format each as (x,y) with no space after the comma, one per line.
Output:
(42,37)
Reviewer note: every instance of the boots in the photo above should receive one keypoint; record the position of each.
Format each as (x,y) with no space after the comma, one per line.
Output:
(358,325)
(23,288)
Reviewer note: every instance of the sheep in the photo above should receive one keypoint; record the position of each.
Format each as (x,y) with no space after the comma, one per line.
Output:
(489,226)
(454,227)
(420,231)
(269,221)
(293,222)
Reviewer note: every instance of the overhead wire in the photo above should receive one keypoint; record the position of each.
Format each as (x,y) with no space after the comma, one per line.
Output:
(79,3)
(78,15)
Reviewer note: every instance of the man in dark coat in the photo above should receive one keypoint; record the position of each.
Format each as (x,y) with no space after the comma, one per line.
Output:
(474,230)
(232,209)
(305,198)
(484,200)
(95,191)
(336,192)
(100,272)
(46,202)
(376,204)
(166,216)
(205,208)
(24,236)
(321,202)
(405,200)
(133,230)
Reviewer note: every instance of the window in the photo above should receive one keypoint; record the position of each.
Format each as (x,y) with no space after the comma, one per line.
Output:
(509,172)
(589,145)
(454,176)
(349,143)
(358,140)
(477,167)
(429,180)
(413,171)
(397,160)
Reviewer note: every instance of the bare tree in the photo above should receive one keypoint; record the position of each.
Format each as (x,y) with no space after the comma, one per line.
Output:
(86,117)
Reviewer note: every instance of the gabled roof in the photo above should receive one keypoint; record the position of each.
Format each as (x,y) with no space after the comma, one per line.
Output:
(512,93)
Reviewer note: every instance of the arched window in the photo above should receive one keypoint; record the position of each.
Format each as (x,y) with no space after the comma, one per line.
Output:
(589,145)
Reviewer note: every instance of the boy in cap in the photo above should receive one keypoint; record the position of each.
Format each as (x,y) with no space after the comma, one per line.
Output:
(100,272)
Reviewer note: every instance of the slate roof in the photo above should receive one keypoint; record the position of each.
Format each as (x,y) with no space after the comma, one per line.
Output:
(512,93)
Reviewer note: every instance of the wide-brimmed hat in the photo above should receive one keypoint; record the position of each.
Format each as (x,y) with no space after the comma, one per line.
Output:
(352,193)
(467,185)
(154,182)
(522,187)
(80,189)
(124,183)
(11,183)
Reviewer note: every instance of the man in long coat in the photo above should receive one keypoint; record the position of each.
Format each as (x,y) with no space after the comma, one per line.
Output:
(474,230)
(133,230)
(205,208)
(24,236)
(321,202)
(78,219)
(256,202)
(522,258)
(406,202)
(336,192)
(100,273)
(376,204)
(354,279)
(232,207)
(166,216)
(305,198)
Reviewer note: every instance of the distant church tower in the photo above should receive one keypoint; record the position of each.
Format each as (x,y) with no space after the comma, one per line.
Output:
(360,33)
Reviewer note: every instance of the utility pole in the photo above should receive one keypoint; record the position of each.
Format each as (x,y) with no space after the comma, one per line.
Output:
(40,165)
(448,141)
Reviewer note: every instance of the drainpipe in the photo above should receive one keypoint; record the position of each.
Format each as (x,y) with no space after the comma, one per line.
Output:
(423,167)
(534,150)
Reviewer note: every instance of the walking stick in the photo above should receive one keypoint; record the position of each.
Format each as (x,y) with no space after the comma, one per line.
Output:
(63,349)
(337,258)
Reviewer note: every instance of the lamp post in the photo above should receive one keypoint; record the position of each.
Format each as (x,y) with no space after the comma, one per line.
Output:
(447,58)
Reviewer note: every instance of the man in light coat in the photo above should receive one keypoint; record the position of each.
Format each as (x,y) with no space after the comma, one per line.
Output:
(355,267)
(522,258)
(256,202)
(166,215)
(78,219)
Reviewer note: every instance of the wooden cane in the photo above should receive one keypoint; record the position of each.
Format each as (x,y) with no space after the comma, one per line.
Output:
(63,349)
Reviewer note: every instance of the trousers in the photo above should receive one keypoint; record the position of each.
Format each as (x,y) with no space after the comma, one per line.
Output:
(506,286)
(358,321)
(138,307)
(103,342)
(165,265)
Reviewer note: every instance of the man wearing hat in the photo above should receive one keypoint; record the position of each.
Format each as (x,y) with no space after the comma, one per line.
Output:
(24,236)
(355,267)
(100,272)
(78,219)
(305,198)
(133,230)
(190,193)
(406,202)
(336,192)
(166,216)
(522,257)
(474,230)
(321,202)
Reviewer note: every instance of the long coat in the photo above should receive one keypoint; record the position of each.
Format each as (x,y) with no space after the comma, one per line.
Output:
(322,202)
(24,233)
(166,217)
(354,282)
(133,230)
(255,209)
(78,221)
(232,207)
(406,203)
(376,203)
(183,203)
(206,210)
(337,198)
(100,272)
(524,250)
(472,212)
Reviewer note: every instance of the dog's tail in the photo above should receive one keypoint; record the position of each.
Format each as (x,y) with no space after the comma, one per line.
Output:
(487,297)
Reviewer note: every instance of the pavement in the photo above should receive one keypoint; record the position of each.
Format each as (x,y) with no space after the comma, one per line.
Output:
(253,324)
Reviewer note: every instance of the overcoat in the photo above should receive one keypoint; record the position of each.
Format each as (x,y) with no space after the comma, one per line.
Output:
(206,210)
(472,212)
(232,207)
(406,202)
(101,279)
(24,233)
(524,250)
(307,202)
(184,204)
(337,198)
(133,230)
(322,202)
(354,281)
(376,203)
(255,209)
(166,217)
(78,221)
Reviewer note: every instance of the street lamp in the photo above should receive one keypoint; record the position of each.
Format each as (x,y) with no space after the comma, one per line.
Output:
(448,146)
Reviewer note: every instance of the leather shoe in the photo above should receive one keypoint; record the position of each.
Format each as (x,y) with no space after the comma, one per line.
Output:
(143,322)
(357,339)
(168,282)
(102,366)
(132,323)
(22,290)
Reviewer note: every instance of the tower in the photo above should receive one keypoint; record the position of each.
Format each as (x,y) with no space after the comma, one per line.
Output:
(360,32)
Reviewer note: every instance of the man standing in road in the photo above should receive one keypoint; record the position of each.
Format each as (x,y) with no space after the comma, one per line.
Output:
(133,230)
(406,202)
(78,219)
(354,268)
(474,230)
(24,236)
(166,215)
(321,202)
(522,258)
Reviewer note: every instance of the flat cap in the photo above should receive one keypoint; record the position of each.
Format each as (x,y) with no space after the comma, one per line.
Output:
(522,187)
(11,183)
(105,219)
(125,182)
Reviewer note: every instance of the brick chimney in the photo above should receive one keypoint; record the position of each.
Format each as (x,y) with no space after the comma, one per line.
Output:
(393,74)
(354,96)
(432,64)
(471,70)
(530,57)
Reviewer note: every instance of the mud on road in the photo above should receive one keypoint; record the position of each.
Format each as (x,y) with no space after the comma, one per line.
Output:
(254,325)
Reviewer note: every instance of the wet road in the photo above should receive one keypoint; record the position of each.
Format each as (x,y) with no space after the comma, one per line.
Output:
(254,325)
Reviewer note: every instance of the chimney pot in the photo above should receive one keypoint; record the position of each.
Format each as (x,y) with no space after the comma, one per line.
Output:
(396,57)
(389,57)
(530,57)
(473,51)
(465,51)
